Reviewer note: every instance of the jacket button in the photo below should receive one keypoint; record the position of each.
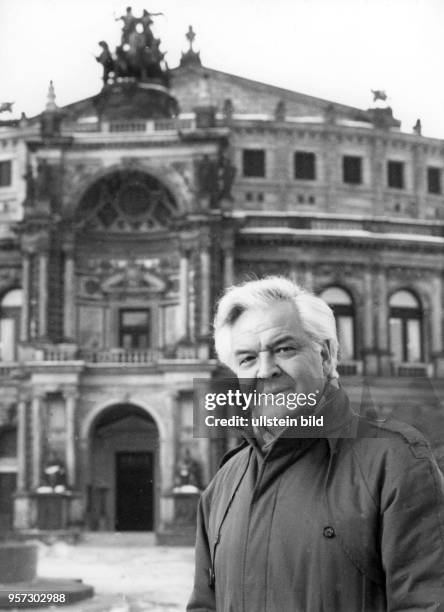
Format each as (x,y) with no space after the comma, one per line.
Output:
(329,532)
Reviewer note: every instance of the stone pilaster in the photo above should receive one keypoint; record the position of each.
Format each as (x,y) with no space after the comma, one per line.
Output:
(419,180)
(43,294)
(331,171)
(436,324)
(26,276)
(205,286)
(69,318)
(369,351)
(22,477)
(37,439)
(71,397)
(308,279)
(382,324)
(184,294)
(379,179)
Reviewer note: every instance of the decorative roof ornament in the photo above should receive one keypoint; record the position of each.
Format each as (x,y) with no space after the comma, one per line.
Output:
(417,128)
(379,94)
(381,113)
(138,57)
(190,57)
(51,118)
(50,98)
(6,107)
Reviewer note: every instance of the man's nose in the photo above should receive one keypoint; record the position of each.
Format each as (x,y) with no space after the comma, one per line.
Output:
(267,366)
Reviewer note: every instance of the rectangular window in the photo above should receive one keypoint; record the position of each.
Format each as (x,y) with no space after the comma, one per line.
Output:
(433,180)
(134,329)
(352,169)
(395,174)
(253,163)
(304,166)
(5,173)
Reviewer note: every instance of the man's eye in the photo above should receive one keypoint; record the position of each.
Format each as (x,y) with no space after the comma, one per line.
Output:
(285,351)
(247,360)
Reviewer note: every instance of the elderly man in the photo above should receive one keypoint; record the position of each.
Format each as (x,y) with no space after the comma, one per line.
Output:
(349,520)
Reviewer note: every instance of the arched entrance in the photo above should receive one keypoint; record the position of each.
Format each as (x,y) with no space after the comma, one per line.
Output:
(124,470)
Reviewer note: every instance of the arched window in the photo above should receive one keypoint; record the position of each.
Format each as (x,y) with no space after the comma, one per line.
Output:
(127,201)
(405,327)
(342,305)
(10,307)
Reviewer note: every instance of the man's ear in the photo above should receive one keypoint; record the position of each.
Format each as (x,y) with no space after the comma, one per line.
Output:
(326,358)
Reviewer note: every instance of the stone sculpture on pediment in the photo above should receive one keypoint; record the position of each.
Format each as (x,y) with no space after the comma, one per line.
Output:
(133,278)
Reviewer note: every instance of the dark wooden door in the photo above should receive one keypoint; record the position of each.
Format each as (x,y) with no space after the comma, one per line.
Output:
(134,491)
(7,490)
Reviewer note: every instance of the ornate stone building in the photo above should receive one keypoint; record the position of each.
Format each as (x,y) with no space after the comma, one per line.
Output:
(123,217)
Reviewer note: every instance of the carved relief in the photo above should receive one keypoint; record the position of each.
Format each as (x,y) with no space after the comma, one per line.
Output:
(122,278)
(76,176)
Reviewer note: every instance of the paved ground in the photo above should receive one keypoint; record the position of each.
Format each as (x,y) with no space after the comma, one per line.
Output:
(128,575)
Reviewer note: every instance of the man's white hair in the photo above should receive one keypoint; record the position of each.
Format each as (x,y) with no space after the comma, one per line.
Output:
(316,315)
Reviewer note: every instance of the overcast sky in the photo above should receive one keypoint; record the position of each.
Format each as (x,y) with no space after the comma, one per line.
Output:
(333,49)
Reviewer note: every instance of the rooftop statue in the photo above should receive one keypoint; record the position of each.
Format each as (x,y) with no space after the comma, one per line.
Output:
(6,107)
(129,24)
(138,56)
(105,58)
(379,94)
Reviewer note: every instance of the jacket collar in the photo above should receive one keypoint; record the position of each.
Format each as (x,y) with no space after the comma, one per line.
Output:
(338,422)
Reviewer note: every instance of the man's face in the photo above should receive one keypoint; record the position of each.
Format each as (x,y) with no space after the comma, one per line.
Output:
(270,344)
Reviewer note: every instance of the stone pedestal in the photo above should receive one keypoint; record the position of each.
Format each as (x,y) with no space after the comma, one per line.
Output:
(18,561)
(370,359)
(384,363)
(18,575)
(182,531)
(438,365)
(43,513)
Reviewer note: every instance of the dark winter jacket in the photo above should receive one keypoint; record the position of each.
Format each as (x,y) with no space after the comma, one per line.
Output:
(350,523)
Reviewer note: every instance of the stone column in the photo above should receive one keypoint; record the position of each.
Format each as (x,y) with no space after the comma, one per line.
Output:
(205,288)
(71,450)
(69,327)
(24,323)
(43,294)
(37,440)
(184,297)
(369,350)
(436,320)
(382,325)
(21,445)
